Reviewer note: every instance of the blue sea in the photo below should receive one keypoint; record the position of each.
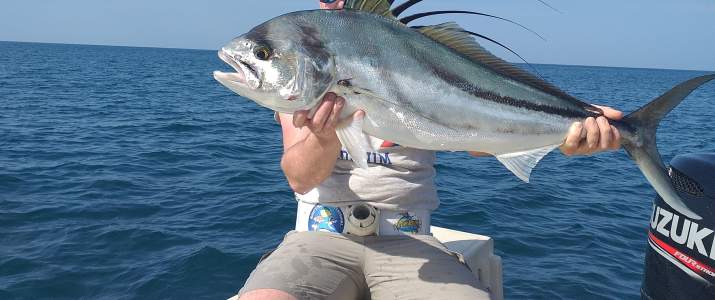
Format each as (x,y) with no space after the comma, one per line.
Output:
(129,173)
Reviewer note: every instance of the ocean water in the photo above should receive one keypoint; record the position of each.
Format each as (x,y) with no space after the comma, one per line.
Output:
(129,173)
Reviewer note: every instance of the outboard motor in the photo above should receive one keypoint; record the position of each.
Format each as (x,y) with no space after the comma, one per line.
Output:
(680,259)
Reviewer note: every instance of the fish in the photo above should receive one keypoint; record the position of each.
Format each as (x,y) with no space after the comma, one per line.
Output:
(427,87)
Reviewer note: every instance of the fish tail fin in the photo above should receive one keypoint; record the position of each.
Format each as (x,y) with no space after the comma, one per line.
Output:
(640,143)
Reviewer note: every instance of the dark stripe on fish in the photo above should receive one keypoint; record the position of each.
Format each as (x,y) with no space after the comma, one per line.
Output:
(259,35)
(466,86)
(311,41)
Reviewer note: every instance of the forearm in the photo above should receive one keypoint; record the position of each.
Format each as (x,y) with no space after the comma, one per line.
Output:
(307,163)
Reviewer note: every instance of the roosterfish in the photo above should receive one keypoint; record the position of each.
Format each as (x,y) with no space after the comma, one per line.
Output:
(426,87)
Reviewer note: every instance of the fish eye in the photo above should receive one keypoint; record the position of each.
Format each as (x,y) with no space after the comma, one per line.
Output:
(263,53)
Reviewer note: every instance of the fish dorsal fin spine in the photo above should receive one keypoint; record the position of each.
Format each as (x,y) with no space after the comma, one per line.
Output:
(455,37)
(378,7)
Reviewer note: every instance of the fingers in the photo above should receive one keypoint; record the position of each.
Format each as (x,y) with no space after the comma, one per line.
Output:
(592,133)
(610,137)
(573,139)
(616,144)
(317,123)
(610,112)
(335,5)
(606,135)
(334,118)
(299,118)
(593,136)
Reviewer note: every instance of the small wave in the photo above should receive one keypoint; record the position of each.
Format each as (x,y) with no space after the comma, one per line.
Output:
(243,178)
(166,156)
(179,127)
(192,272)
(111,185)
(140,240)
(17,265)
(10,183)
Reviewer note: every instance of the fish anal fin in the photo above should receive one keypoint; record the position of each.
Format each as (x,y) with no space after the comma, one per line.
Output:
(521,163)
(378,7)
(355,141)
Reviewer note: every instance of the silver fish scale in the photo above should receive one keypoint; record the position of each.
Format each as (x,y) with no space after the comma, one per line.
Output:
(414,107)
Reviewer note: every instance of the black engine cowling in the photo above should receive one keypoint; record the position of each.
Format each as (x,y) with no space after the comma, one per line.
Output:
(680,258)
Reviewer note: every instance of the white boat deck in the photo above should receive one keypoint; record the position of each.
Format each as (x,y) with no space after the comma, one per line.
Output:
(477,252)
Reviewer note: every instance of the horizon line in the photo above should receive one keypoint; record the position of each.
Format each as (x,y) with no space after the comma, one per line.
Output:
(203,49)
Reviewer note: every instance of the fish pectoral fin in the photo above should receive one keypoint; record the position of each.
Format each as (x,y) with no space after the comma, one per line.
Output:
(521,163)
(348,90)
(355,141)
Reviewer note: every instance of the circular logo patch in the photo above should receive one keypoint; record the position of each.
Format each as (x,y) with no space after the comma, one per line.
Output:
(326,219)
(408,224)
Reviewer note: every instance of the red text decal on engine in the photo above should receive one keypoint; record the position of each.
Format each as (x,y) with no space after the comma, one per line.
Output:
(688,261)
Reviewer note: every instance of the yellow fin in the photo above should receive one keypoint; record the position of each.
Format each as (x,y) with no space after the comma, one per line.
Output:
(378,7)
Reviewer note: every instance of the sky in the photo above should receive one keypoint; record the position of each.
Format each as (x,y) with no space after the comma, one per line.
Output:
(674,34)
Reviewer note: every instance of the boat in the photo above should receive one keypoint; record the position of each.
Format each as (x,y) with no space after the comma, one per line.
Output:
(477,252)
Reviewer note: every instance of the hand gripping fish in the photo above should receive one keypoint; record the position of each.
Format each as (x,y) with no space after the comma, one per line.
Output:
(432,87)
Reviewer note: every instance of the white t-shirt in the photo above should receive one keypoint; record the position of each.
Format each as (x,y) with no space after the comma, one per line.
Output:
(398,178)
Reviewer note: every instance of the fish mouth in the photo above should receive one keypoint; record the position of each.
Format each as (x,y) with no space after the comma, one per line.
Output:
(245,75)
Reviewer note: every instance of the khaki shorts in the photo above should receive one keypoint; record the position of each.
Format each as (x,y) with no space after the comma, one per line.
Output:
(322,265)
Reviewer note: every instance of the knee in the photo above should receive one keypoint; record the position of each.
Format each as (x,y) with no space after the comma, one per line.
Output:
(267,294)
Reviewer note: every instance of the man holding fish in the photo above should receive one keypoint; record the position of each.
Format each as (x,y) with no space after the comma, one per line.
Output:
(365,100)
(397,263)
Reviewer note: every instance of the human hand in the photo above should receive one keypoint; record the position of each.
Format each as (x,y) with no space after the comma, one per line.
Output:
(326,118)
(593,135)
(334,5)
